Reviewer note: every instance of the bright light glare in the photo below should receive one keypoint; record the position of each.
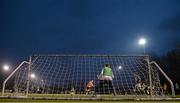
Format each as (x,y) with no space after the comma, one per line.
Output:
(120,67)
(33,76)
(142,41)
(6,67)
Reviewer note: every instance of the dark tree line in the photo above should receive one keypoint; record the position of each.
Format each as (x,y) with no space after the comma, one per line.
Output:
(171,64)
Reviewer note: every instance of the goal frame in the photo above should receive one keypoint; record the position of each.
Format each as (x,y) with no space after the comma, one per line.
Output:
(150,63)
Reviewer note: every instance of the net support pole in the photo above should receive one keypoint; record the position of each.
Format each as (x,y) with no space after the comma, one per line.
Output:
(5,81)
(149,75)
(28,77)
(164,74)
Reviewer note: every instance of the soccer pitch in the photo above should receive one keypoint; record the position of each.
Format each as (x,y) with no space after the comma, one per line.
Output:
(78,101)
(44,99)
(88,97)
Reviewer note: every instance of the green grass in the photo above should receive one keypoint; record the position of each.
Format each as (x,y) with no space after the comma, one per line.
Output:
(104,99)
(78,101)
(75,96)
(177,96)
(65,96)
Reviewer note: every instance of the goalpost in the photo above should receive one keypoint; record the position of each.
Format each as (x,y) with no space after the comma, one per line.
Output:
(66,76)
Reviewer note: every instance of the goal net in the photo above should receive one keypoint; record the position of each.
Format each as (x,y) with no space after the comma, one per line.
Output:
(67,76)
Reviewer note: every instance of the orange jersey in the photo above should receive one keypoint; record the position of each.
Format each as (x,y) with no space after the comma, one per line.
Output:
(90,84)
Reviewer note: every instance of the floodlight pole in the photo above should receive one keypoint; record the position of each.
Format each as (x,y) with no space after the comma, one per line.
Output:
(150,75)
(144,49)
(28,77)
(142,42)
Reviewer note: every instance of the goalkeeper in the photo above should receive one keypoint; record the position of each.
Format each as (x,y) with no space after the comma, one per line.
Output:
(106,77)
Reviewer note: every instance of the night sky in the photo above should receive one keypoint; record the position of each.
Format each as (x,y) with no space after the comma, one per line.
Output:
(86,27)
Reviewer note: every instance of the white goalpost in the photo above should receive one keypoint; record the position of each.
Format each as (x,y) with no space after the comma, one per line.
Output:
(67,76)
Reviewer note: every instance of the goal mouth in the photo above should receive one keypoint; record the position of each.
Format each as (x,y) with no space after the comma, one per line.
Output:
(67,77)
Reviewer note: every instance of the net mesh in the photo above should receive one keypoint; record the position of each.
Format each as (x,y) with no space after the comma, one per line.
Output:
(67,76)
